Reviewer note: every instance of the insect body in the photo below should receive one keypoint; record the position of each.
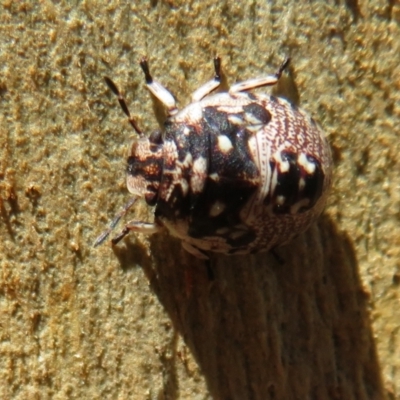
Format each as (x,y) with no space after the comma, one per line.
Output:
(232,172)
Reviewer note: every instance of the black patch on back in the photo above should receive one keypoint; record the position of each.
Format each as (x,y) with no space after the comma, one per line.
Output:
(314,183)
(233,196)
(238,163)
(259,112)
(237,177)
(288,184)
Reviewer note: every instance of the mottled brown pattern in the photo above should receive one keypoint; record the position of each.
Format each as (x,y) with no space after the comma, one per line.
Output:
(264,187)
(232,172)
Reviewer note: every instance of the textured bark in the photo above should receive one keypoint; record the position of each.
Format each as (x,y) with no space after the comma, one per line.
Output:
(147,321)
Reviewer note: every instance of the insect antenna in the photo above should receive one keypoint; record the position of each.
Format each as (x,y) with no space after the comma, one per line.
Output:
(121,100)
(100,239)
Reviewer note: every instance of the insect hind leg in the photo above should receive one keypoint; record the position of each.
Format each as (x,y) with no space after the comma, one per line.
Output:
(211,85)
(268,80)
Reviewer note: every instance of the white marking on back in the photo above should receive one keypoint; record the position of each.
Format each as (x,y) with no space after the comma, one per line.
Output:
(235,119)
(187,162)
(200,165)
(224,144)
(217,208)
(199,170)
(280,200)
(251,119)
(302,184)
(260,149)
(185,186)
(254,128)
(283,165)
(307,165)
(214,176)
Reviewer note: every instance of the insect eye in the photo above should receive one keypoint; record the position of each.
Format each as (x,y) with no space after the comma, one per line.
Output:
(151,198)
(156,137)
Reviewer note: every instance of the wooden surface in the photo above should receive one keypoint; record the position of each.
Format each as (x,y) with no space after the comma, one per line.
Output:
(147,321)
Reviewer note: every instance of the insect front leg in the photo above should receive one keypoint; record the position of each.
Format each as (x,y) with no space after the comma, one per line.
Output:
(100,239)
(139,227)
(158,90)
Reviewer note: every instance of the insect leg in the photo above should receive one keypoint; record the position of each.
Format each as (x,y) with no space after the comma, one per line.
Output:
(211,85)
(114,222)
(194,251)
(136,226)
(268,80)
(158,90)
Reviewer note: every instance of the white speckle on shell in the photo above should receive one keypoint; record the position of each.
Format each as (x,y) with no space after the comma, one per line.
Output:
(235,119)
(224,144)
(217,208)
(308,166)
(199,170)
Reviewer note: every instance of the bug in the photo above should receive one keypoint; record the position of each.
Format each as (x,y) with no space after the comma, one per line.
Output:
(233,172)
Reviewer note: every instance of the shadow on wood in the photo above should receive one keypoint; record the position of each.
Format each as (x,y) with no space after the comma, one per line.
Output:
(263,330)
